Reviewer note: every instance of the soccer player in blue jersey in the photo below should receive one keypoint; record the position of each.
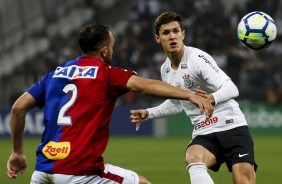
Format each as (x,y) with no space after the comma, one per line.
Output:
(78,100)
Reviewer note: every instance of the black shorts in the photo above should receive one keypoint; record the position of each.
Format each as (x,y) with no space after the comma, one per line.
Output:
(231,146)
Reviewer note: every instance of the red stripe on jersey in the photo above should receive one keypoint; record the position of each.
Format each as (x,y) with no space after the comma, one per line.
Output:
(112,177)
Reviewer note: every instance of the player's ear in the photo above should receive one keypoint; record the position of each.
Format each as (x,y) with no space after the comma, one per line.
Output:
(157,38)
(183,34)
(103,51)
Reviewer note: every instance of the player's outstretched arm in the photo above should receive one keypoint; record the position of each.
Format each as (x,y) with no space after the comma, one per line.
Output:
(161,89)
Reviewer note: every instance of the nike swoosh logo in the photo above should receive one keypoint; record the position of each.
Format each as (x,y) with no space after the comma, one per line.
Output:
(243,155)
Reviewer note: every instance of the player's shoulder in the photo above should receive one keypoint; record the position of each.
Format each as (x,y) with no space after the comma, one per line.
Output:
(196,52)
(165,65)
(198,55)
(68,63)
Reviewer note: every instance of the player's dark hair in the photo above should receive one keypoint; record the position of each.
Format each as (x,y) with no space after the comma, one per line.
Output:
(165,18)
(92,37)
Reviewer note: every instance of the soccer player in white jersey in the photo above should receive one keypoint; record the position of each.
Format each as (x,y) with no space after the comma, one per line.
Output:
(222,138)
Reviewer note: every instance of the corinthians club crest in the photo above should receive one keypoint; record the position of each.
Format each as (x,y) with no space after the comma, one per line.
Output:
(188,83)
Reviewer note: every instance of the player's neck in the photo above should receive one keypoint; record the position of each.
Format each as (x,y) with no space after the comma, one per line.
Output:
(174,62)
(94,55)
(176,58)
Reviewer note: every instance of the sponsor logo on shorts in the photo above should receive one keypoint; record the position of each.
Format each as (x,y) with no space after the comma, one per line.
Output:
(207,123)
(56,150)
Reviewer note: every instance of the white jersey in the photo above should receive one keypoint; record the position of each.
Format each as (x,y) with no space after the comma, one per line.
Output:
(197,68)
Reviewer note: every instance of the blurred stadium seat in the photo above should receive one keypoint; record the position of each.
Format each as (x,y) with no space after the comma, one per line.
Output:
(42,33)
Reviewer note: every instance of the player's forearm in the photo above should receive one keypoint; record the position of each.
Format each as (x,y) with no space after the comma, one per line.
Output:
(227,91)
(17,129)
(167,108)
(161,89)
(18,113)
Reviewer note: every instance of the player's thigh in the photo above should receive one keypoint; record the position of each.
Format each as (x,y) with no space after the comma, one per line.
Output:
(243,173)
(47,178)
(198,153)
(128,176)
(39,177)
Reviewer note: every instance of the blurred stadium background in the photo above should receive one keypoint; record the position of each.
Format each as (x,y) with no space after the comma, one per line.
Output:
(37,35)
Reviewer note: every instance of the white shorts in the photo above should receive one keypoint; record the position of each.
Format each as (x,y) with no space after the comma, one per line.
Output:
(113,175)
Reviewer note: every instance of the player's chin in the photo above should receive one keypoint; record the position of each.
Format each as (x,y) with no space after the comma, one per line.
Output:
(173,49)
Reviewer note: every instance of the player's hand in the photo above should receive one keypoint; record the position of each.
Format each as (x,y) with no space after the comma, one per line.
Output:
(203,103)
(138,116)
(201,92)
(204,94)
(17,163)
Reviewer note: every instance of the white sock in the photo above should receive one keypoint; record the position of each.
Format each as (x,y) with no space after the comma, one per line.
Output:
(199,173)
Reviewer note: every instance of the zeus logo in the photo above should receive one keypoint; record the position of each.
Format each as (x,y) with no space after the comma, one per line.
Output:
(75,72)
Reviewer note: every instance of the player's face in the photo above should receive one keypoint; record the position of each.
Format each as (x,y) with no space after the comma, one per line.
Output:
(171,37)
(109,54)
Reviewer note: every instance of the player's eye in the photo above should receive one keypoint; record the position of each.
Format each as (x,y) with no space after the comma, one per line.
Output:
(176,31)
(165,32)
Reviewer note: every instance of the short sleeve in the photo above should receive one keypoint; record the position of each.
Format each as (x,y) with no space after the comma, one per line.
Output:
(118,79)
(38,90)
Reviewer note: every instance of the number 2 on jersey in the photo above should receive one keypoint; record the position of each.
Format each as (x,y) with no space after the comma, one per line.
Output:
(62,119)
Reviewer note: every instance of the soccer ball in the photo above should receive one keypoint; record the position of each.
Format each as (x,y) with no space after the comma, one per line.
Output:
(256,30)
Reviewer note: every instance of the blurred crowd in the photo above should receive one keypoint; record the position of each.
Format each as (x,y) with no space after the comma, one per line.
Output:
(210,25)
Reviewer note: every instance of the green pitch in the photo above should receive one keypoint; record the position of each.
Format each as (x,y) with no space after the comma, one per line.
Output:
(161,160)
